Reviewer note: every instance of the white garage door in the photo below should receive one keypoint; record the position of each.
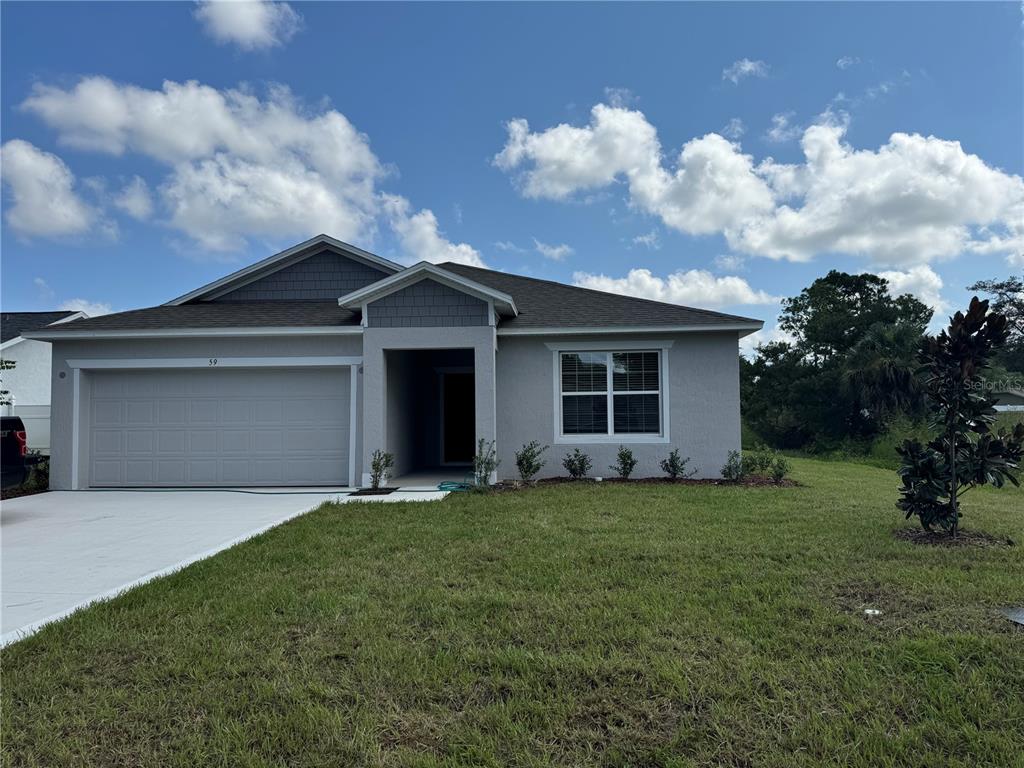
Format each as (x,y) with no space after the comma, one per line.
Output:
(219,427)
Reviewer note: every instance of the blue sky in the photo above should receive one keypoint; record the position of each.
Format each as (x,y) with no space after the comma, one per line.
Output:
(150,148)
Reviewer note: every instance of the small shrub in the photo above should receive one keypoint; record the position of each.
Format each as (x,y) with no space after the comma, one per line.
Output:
(765,462)
(624,464)
(675,467)
(381,464)
(485,462)
(577,464)
(733,469)
(780,468)
(528,460)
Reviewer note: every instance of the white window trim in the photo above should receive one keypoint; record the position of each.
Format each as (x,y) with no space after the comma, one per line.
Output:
(664,404)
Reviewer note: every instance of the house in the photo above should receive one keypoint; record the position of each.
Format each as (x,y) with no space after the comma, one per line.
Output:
(294,370)
(1009,399)
(28,382)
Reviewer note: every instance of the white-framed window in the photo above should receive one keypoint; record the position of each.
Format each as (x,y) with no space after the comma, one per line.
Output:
(611,394)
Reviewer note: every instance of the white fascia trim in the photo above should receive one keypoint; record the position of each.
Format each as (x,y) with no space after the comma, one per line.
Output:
(191,333)
(295,250)
(421,271)
(11,342)
(744,329)
(214,362)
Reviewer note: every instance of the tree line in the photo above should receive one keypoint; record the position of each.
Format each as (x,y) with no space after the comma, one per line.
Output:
(851,366)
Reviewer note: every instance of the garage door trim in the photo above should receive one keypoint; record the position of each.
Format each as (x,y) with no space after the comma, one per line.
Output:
(77,366)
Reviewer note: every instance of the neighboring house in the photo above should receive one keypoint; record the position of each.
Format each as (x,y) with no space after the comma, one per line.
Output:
(1009,399)
(29,381)
(293,371)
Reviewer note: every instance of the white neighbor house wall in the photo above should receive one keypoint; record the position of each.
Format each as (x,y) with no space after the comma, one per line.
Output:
(29,385)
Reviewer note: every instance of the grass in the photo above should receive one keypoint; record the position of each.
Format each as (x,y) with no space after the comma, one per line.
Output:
(593,625)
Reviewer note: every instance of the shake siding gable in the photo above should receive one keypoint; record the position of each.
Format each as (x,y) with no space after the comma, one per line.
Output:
(427,303)
(324,275)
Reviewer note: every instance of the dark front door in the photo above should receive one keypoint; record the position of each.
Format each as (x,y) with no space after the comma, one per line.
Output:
(459,419)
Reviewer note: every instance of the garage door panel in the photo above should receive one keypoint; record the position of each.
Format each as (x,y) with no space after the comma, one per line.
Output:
(106,413)
(140,441)
(139,412)
(171,412)
(219,427)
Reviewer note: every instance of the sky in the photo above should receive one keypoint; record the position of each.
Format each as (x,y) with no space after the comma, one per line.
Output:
(715,155)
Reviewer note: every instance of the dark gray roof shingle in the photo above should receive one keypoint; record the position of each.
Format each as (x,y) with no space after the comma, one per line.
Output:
(541,304)
(276,314)
(13,324)
(546,304)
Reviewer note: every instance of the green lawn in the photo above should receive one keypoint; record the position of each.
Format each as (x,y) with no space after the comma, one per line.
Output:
(588,625)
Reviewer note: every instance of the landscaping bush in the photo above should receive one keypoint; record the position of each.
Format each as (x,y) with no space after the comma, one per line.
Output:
(528,460)
(733,469)
(381,464)
(577,464)
(675,467)
(485,462)
(765,462)
(624,464)
(965,451)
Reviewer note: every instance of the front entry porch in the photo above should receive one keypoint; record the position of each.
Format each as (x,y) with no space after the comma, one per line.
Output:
(430,422)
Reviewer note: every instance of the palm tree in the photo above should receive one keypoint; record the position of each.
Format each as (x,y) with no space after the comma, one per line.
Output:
(880,372)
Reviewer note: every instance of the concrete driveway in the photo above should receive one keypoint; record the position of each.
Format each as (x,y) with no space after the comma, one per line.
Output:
(65,549)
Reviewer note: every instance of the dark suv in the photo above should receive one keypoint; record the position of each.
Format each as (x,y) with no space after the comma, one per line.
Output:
(13,452)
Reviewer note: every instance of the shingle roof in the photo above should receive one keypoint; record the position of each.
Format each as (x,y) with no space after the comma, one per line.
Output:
(541,304)
(13,324)
(545,304)
(275,314)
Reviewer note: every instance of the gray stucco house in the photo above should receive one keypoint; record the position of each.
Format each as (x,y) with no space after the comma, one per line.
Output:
(294,370)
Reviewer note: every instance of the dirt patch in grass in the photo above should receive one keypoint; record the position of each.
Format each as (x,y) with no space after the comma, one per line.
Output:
(965,538)
(750,482)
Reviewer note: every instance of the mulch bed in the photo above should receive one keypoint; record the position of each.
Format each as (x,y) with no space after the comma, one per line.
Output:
(964,538)
(752,482)
(14,493)
(374,491)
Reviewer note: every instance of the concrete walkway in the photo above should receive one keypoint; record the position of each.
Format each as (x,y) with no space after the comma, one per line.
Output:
(65,549)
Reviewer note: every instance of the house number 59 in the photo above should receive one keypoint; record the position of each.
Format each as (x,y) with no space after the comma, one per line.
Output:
(213,361)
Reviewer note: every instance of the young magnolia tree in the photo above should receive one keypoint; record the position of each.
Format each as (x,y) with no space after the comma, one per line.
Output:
(965,452)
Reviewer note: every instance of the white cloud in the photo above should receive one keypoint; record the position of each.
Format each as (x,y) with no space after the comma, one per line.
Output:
(509,247)
(782,130)
(650,240)
(845,62)
(249,24)
(91,308)
(695,286)
(767,335)
(45,291)
(712,186)
(553,252)
(734,129)
(421,237)
(41,186)
(619,97)
(240,166)
(913,200)
(729,262)
(744,68)
(135,199)
(921,282)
